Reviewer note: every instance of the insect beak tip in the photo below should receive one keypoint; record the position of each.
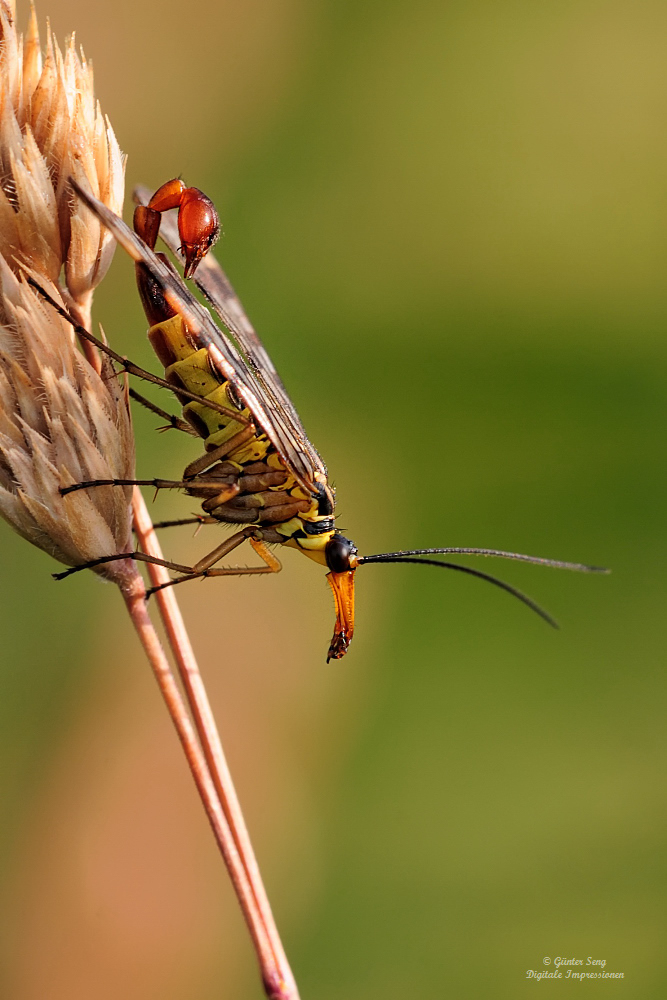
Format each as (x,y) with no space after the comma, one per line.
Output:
(193,254)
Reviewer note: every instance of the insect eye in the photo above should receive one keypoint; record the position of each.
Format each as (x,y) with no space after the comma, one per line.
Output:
(338,552)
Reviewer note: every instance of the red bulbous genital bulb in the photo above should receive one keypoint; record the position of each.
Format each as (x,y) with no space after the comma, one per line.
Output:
(198,227)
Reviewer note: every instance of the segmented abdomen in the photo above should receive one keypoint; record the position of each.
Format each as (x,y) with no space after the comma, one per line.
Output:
(255,486)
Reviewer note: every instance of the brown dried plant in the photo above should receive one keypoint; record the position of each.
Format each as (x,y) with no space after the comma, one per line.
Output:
(59,417)
(64,418)
(51,128)
(60,421)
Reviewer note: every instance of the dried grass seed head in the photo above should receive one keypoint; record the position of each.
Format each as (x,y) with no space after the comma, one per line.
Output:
(52,127)
(60,423)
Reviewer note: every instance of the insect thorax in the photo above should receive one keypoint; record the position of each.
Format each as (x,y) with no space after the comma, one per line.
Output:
(251,484)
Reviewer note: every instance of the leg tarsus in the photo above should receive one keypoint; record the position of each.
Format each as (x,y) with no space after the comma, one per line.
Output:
(199,519)
(173,422)
(93,562)
(138,556)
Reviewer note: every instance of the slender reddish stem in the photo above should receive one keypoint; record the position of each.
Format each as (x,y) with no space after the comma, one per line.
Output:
(81,310)
(209,769)
(135,599)
(281,986)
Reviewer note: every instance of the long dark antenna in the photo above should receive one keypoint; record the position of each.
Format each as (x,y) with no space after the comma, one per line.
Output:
(497,553)
(528,601)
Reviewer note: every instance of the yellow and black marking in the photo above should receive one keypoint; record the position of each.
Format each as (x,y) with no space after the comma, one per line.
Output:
(259,471)
(255,487)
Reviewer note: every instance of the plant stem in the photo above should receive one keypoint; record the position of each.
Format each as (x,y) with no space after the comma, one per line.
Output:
(210,770)
(81,310)
(278,980)
(135,598)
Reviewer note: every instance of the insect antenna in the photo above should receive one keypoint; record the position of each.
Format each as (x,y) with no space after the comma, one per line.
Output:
(415,556)
(497,553)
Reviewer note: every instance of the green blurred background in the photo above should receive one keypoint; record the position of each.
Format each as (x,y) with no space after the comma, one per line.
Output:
(448,221)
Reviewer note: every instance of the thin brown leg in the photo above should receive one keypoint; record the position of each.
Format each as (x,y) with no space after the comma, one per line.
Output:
(209,458)
(139,556)
(190,476)
(204,567)
(210,485)
(172,420)
(197,519)
(222,550)
(226,494)
(130,367)
(201,568)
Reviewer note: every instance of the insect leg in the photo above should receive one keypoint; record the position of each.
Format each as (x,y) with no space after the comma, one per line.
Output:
(138,556)
(197,519)
(172,420)
(205,566)
(130,367)
(226,571)
(211,457)
(201,568)
(158,484)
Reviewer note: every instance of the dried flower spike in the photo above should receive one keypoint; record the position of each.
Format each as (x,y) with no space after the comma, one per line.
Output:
(51,127)
(60,422)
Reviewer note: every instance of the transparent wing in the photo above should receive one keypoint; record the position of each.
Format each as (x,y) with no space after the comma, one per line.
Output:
(256,389)
(217,288)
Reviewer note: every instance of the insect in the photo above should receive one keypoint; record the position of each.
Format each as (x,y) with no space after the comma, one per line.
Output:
(259,471)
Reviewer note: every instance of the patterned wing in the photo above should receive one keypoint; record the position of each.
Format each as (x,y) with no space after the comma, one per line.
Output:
(260,389)
(217,288)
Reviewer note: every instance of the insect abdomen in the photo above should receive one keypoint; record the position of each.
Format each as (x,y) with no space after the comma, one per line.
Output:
(277,500)
(188,368)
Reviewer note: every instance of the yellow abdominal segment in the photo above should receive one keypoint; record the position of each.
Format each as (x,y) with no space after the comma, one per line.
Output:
(191,370)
